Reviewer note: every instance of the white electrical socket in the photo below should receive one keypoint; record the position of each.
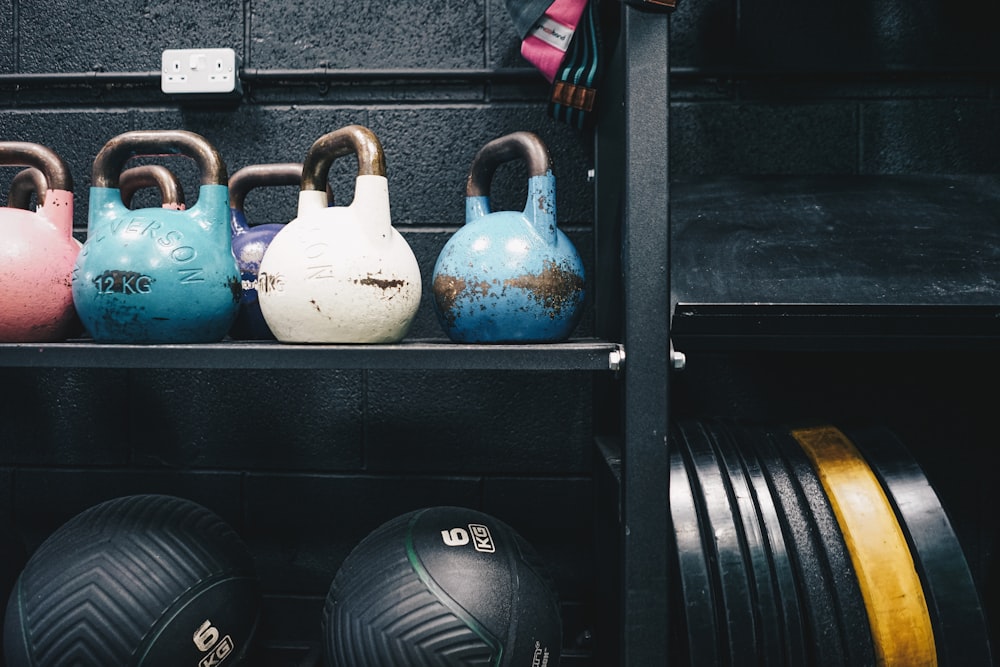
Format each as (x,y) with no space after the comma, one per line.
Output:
(200,71)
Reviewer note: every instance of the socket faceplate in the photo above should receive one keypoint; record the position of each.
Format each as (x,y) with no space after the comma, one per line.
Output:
(200,71)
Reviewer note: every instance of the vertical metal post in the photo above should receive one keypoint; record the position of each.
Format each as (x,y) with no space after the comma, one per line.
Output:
(646,282)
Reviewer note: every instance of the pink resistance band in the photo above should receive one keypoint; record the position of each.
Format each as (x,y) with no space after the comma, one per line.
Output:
(545,45)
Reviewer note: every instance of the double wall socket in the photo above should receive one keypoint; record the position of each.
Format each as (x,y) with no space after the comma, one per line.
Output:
(200,72)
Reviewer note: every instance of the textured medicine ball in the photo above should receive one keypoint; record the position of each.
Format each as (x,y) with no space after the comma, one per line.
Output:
(138,581)
(442,587)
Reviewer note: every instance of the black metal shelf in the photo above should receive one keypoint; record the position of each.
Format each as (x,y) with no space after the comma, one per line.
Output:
(836,262)
(431,354)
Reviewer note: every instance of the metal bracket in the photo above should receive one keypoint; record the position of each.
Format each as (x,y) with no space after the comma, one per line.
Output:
(677,359)
(616,358)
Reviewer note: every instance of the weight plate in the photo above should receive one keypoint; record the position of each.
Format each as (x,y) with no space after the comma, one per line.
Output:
(890,587)
(960,629)
(781,639)
(722,537)
(697,606)
(859,644)
(823,629)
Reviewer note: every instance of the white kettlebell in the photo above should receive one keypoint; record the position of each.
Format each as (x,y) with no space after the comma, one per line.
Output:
(340,274)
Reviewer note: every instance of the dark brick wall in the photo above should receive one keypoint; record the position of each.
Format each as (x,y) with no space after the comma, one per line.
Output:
(302,463)
(772,86)
(305,463)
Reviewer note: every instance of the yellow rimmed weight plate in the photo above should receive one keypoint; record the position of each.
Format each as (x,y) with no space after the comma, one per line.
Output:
(894,598)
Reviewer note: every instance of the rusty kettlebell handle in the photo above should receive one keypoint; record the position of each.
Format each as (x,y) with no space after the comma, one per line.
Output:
(113,156)
(151,176)
(517,145)
(27,154)
(264,175)
(258,175)
(350,139)
(23,184)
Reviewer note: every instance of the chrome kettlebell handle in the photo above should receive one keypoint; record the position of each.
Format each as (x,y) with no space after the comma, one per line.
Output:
(152,176)
(119,150)
(517,145)
(26,154)
(349,139)
(23,184)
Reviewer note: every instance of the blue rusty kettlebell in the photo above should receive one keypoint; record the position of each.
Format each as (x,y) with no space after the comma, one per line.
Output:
(250,241)
(157,275)
(340,274)
(508,276)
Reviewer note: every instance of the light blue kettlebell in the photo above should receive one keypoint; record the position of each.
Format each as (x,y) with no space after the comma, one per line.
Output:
(508,276)
(157,275)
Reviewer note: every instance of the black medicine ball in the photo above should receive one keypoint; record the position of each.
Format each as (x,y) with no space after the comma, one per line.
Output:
(442,587)
(138,581)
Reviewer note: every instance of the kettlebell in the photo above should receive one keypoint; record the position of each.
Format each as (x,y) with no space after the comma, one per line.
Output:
(37,250)
(152,176)
(508,276)
(157,275)
(250,241)
(340,274)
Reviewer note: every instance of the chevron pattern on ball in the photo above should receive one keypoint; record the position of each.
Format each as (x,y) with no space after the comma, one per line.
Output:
(106,585)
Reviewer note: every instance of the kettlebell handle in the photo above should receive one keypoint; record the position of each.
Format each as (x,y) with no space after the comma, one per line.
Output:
(23,184)
(151,176)
(54,169)
(517,145)
(258,175)
(113,156)
(350,139)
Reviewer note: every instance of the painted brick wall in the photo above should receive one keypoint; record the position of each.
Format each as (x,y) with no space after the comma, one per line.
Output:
(304,463)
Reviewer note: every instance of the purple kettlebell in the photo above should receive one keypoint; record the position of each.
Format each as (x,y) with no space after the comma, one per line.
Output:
(250,241)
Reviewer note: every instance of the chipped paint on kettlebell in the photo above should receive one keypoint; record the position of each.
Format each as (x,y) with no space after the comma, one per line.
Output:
(157,275)
(38,250)
(341,274)
(509,276)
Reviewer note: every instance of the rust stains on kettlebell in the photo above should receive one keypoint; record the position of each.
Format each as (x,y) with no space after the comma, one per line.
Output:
(384,284)
(555,288)
(447,290)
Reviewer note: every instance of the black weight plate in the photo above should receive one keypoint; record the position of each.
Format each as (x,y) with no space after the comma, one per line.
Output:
(782,640)
(721,536)
(697,606)
(961,636)
(823,631)
(849,603)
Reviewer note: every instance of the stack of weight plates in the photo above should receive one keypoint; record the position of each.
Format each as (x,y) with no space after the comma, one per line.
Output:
(814,546)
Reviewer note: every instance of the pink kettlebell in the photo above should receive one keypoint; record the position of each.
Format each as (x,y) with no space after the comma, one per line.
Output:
(37,253)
